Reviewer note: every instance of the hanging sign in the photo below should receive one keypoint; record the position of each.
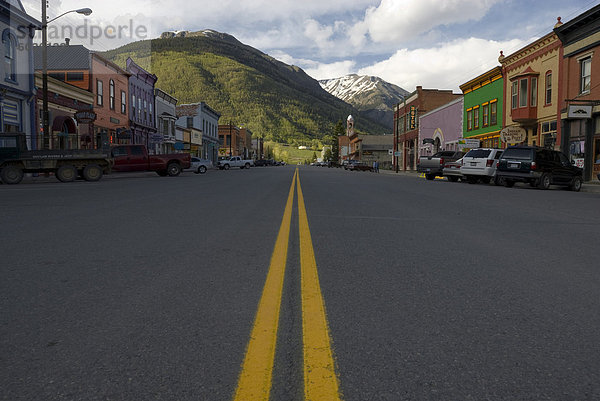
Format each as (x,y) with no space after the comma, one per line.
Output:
(513,135)
(578,111)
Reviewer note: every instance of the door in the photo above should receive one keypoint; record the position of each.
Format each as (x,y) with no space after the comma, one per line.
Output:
(121,158)
(138,160)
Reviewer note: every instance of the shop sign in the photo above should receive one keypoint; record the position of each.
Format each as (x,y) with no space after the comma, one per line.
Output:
(578,111)
(156,138)
(178,145)
(413,118)
(123,134)
(85,117)
(579,162)
(468,143)
(513,135)
(428,140)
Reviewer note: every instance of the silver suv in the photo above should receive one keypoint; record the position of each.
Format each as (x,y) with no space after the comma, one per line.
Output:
(480,164)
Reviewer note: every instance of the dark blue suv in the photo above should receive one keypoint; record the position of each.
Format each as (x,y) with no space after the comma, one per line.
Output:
(537,166)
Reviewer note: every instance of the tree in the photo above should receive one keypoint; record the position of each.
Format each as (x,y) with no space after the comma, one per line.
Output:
(339,129)
(314,157)
(328,156)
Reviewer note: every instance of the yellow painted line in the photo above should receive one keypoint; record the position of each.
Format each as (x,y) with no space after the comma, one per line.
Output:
(320,379)
(255,378)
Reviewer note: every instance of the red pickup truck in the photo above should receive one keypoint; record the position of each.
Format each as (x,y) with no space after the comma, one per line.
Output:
(136,158)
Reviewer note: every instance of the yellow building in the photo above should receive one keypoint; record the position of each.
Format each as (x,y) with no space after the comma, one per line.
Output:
(531,91)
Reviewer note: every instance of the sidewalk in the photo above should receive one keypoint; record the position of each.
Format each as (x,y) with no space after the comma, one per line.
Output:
(588,186)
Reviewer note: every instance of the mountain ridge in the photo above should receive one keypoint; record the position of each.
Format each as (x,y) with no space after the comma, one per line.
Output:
(274,100)
(371,95)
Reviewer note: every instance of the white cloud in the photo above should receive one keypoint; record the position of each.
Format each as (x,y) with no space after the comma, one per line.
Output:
(316,69)
(443,67)
(331,70)
(402,20)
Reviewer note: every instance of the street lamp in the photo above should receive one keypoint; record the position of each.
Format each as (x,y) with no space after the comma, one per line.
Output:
(45,22)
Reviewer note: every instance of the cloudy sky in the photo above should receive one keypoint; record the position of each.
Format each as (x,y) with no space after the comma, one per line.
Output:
(433,43)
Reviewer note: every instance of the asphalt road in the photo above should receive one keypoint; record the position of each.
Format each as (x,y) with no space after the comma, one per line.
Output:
(141,287)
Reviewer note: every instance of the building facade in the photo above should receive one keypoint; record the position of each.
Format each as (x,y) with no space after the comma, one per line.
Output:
(532,92)
(166,116)
(441,128)
(142,118)
(580,106)
(406,122)
(71,114)
(202,117)
(230,141)
(483,108)
(17,86)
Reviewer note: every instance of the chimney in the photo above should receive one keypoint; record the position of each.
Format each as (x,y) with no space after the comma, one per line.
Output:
(67,40)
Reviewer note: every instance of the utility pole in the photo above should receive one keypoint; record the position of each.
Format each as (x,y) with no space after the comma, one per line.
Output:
(45,117)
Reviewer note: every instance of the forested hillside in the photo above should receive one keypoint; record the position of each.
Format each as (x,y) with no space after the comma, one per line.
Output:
(274,100)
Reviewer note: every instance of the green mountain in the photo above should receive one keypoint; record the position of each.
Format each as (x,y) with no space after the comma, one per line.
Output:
(274,100)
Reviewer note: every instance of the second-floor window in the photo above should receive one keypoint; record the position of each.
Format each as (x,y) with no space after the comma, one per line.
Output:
(10,68)
(145,110)
(523,87)
(133,105)
(493,113)
(99,92)
(475,117)
(139,108)
(486,116)
(469,120)
(586,75)
(514,94)
(111,94)
(548,87)
(533,92)
(123,102)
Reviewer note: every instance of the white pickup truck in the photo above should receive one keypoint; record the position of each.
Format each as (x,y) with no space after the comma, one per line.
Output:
(234,161)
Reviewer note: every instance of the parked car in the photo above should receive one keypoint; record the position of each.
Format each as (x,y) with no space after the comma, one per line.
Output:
(452,171)
(261,163)
(136,158)
(538,167)
(433,165)
(235,161)
(199,166)
(480,164)
(359,166)
(347,163)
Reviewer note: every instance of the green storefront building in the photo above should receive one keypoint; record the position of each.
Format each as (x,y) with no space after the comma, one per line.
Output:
(482,118)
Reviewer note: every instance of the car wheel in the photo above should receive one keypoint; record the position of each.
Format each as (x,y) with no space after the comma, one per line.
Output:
(92,172)
(430,177)
(226,167)
(11,175)
(576,184)
(202,169)
(247,165)
(544,182)
(66,173)
(509,183)
(173,169)
(498,181)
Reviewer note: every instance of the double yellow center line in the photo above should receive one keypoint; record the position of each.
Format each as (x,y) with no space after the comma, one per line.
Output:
(320,379)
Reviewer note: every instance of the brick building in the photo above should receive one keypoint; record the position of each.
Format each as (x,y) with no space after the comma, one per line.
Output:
(406,122)
(580,78)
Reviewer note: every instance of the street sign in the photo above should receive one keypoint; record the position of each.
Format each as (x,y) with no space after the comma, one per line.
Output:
(468,143)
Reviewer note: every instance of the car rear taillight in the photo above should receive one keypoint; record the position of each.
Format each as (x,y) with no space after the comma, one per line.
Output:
(533,166)
(489,163)
(441,161)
